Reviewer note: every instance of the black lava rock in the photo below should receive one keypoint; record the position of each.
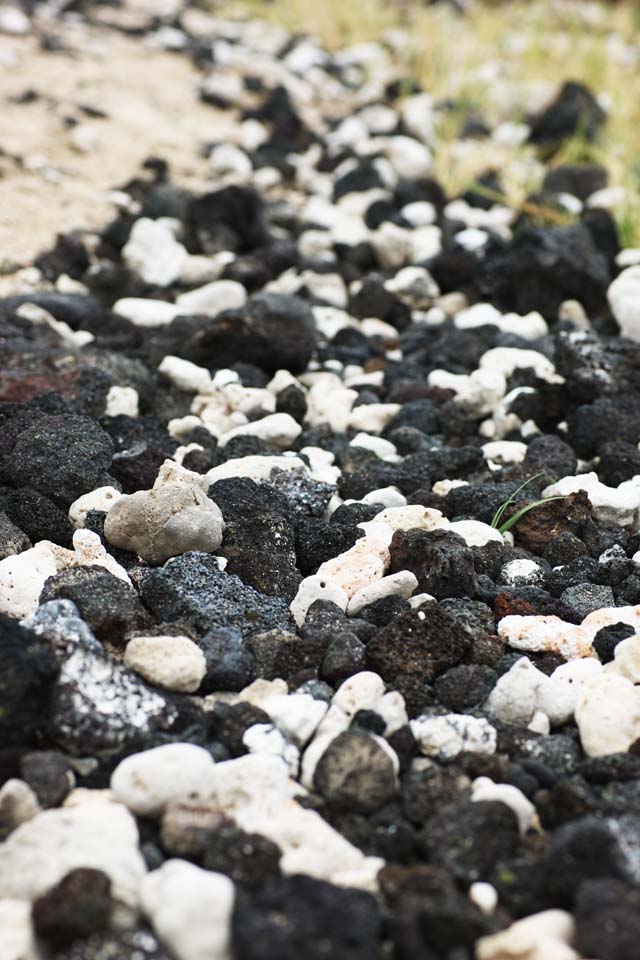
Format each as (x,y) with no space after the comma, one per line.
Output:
(607,916)
(578,179)
(247,858)
(110,606)
(28,671)
(355,773)
(77,906)
(574,110)
(12,539)
(299,915)
(61,457)
(590,848)
(544,266)
(471,838)
(345,655)
(247,542)
(619,461)
(37,516)
(419,646)
(607,639)
(272,331)
(229,661)
(441,560)
(584,598)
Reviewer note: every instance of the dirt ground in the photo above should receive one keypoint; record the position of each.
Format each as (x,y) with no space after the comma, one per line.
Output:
(55,176)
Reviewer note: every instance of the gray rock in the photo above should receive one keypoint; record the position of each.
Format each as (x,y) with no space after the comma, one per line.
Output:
(583,598)
(169,520)
(192,588)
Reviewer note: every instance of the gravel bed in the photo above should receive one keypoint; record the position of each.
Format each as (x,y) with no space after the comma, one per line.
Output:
(320,541)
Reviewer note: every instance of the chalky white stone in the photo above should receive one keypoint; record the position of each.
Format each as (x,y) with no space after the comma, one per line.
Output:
(173,663)
(17,937)
(401,584)
(212,298)
(485,789)
(184,374)
(358,567)
(153,252)
(18,802)
(362,691)
(624,300)
(278,429)
(608,715)
(102,498)
(168,520)
(146,312)
(146,782)
(546,634)
(266,738)
(475,533)
(542,936)
(22,577)
(445,737)
(257,468)
(478,392)
(514,699)
(484,895)
(190,910)
(387,496)
(558,696)
(96,834)
(297,715)
(122,402)
(412,516)
(316,587)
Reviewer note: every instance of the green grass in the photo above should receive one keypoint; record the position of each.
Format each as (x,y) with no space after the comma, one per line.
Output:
(499,59)
(503,526)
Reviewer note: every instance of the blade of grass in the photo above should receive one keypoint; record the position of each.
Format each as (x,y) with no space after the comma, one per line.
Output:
(511,522)
(495,520)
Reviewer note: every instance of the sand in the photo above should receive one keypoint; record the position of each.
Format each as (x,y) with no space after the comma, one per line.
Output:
(48,183)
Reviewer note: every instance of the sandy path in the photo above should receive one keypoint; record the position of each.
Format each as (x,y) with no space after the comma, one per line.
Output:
(46,183)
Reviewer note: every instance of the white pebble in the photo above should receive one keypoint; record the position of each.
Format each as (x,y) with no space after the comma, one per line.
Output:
(102,498)
(608,715)
(278,429)
(122,402)
(401,584)
(185,375)
(484,895)
(98,834)
(17,936)
(544,634)
(297,715)
(514,699)
(212,298)
(315,588)
(475,533)
(445,737)
(485,789)
(22,577)
(153,252)
(146,312)
(146,782)
(190,910)
(173,663)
